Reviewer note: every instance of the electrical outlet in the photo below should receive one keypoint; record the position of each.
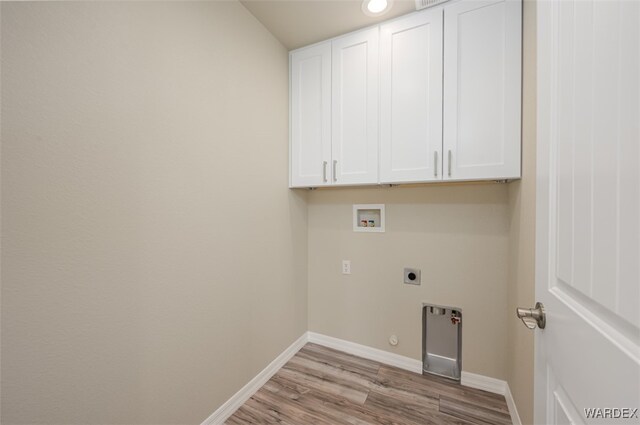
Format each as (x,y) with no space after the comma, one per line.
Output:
(346,266)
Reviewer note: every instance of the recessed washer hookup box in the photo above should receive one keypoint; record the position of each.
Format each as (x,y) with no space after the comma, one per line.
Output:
(442,341)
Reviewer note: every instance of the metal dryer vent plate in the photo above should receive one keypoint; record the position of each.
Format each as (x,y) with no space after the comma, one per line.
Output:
(411,276)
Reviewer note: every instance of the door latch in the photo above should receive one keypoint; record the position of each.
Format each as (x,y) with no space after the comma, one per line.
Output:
(532,317)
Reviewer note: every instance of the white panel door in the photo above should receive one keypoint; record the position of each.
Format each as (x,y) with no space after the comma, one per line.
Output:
(411,98)
(588,212)
(310,116)
(482,89)
(355,108)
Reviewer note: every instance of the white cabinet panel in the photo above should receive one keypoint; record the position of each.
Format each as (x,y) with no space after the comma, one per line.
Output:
(446,104)
(482,89)
(411,98)
(311,116)
(355,108)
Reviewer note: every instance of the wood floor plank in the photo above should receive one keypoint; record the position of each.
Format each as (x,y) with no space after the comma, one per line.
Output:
(318,403)
(341,408)
(340,359)
(287,388)
(472,412)
(324,370)
(235,419)
(406,412)
(327,387)
(354,395)
(289,412)
(247,415)
(443,386)
(254,412)
(387,384)
(407,394)
(369,369)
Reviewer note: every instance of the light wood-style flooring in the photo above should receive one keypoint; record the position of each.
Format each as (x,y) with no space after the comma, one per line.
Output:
(321,386)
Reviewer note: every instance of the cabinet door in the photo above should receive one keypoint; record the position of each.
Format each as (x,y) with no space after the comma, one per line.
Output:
(310,116)
(482,84)
(411,98)
(355,108)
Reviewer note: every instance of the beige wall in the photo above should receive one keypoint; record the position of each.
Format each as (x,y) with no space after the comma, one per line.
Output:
(457,235)
(153,259)
(522,198)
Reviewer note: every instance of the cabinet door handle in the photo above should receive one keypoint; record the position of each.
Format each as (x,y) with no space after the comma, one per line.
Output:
(449,162)
(435,164)
(324,171)
(335,164)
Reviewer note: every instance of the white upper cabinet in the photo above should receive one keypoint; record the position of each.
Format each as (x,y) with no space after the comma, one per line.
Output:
(431,96)
(354,99)
(482,86)
(310,91)
(411,98)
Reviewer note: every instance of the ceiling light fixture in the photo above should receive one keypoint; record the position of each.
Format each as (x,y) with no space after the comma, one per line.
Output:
(376,7)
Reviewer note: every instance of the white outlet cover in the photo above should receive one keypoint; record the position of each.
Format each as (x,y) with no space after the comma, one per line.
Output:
(346,266)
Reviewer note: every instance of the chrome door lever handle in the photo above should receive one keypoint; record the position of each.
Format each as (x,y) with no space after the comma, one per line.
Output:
(532,317)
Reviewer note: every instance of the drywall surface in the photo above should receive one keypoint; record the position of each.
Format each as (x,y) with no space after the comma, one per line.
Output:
(299,23)
(457,235)
(153,259)
(522,207)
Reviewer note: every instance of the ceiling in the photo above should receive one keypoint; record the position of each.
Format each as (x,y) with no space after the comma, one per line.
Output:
(297,23)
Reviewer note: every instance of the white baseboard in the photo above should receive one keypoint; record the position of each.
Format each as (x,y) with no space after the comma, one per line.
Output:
(494,386)
(238,399)
(367,352)
(482,382)
(511,404)
(468,379)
